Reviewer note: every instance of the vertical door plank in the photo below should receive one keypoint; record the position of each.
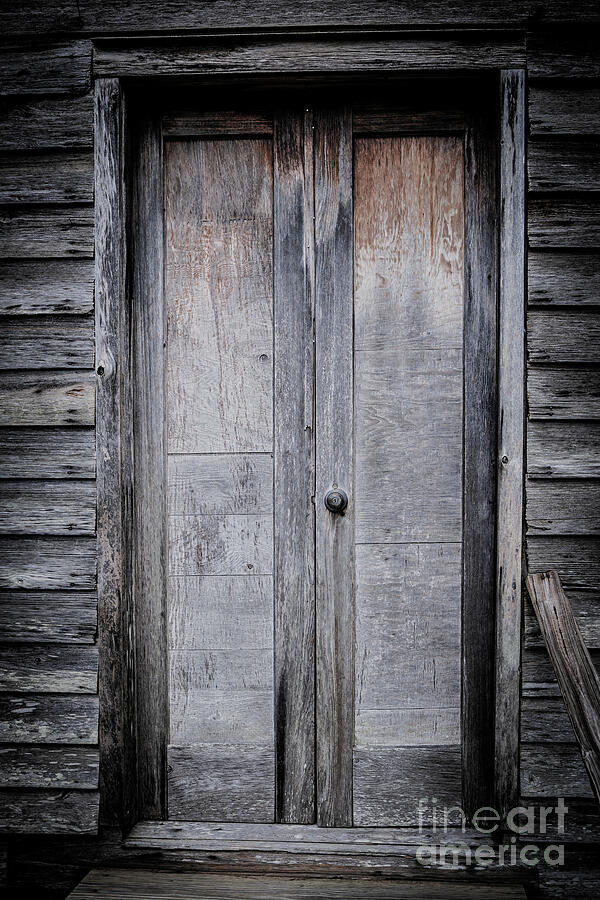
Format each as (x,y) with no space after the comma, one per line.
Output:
(511,378)
(480,424)
(334,464)
(294,468)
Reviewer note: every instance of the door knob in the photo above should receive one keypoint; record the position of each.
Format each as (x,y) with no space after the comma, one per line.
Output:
(336,500)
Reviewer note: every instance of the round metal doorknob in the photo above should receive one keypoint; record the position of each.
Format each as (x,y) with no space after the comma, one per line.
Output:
(336,500)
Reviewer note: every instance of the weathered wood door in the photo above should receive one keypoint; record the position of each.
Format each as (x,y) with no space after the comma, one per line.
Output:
(330,327)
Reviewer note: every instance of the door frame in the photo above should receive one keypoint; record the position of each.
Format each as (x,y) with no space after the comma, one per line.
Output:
(129,702)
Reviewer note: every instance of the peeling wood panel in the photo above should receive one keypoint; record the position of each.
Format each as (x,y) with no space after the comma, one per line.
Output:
(234,483)
(576,559)
(49,718)
(54,811)
(221,545)
(563,508)
(48,767)
(34,287)
(222,783)
(48,617)
(563,393)
(564,166)
(563,54)
(34,507)
(45,68)
(563,111)
(47,453)
(553,772)
(44,232)
(48,668)
(564,279)
(563,336)
(564,222)
(65,177)
(44,342)
(44,124)
(48,563)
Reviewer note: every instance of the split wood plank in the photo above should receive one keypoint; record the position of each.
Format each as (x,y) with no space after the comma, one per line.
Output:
(564,279)
(563,336)
(563,166)
(34,507)
(48,668)
(34,287)
(563,393)
(564,222)
(563,450)
(49,811)
(573,664)
(47,123)
(48,563)
(560,110)
(45,68)
(47,342)
(49,718)
(47,453)
(48,767)
(563,507)
(57,177)
(46,231)
(48,617)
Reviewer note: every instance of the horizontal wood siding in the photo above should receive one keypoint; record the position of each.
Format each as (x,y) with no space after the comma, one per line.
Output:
(48,619)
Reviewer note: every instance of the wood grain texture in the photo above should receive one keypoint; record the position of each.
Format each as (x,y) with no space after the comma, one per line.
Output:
(575,671)
(559,507)
(559,450)
(564,279)
(46,68)
(576,559)
(564,222)
(192,123)
(294,472)
(559,110)
(221,782)
(563,166)
(44,811)
(46,232)
(48,668)
(37,507)
(49,287)
(390,781)
(65,177)
(46,398)
(563,336)
(48,563)
(545,720)
(47,123)
(563,393)
(49,718)
(586,609)
(51,767)
(511,427)
(47,453)
(48,617)
(334,557)
(276,56)
(42,342)
(418,727)
(558,772)
(233,483)
(219,295)
(221,545)
(563,54)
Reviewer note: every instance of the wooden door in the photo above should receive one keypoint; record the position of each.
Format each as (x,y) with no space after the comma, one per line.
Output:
(330,327)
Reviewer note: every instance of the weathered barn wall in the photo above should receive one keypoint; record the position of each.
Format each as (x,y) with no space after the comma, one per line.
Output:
(49,705)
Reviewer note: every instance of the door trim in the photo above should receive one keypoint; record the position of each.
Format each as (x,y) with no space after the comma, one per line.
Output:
(122,658)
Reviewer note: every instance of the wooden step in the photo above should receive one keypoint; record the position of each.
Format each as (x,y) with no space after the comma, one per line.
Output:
(148,884)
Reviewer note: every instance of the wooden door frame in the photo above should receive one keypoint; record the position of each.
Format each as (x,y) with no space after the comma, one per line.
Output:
(124,637)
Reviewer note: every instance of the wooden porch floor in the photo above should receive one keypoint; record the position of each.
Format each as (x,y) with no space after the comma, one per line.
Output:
(147,884)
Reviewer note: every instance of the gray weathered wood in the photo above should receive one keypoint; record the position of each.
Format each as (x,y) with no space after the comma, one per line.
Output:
(563,54)
(46,231)
(47,68)
(47,453)
(410,119)
(275,56)
(48,668)
(40,124)
(221,545)
(294,535)
(586,609)
(52,286)
(49,719)
(48,563)
(563,336)
(545,721)
(418,727)
(556,771)
(573,664)
(576,559)
(48,617)
(221,782)
(511,415)
(49,811)
(44,342)
(217,122)
(559,507)
(390,781)
(564,166)
(52,767)
(563,450)
(563,393)
(564,222)
(219,483)
(558,110)
(38,507)
(539,677)
(334,465)
(47,177)
(564,279)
